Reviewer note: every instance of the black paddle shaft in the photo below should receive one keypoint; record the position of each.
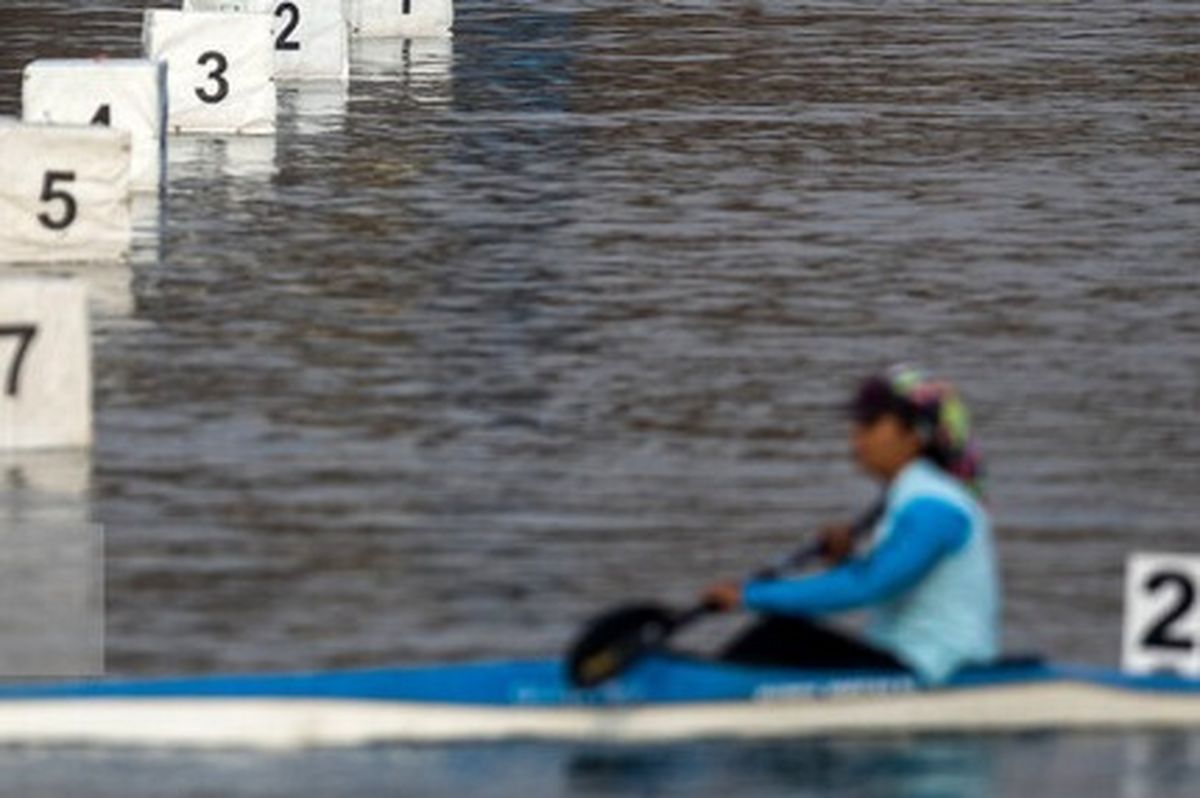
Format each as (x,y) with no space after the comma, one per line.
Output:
(618,638)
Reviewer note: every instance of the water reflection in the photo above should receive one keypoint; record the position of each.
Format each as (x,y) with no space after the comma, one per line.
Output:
(1147,761)
(422,66)
(215,157)
(917,767)
(906,768)
(50,486)
(313,107)
(147,220)
(51,566)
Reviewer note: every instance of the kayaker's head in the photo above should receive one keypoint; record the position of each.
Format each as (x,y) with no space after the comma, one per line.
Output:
(900,415)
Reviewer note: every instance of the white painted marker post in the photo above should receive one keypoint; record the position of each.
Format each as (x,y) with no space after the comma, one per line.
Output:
(312,38)
(45,365)
(64,192)
(411,18)
(1162,614)
(126,94)
(221,70)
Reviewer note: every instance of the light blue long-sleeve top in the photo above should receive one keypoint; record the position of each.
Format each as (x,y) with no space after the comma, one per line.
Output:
(930,577)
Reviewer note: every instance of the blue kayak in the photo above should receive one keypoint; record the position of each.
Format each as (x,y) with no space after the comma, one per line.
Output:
(662,698)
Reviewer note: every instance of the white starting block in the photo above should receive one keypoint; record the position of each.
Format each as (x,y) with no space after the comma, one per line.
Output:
(127,94)
(411,18)
(64,192)
(221,70)
(312,39)
(1162,614)
(45,365)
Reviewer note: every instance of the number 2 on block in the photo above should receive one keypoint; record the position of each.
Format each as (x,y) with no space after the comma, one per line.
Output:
(292,11)
(24,334)
(1162,633)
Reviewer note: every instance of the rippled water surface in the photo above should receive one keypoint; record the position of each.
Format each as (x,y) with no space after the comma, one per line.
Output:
(560,313)
(1131,767)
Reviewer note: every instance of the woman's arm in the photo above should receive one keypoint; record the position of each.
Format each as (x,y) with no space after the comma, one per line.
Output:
(926,531)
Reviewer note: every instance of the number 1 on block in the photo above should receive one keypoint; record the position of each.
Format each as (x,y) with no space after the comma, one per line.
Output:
(1162,614)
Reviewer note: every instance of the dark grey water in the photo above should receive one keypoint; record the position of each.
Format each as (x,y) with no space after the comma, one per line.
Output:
(1129,766)
(559,314)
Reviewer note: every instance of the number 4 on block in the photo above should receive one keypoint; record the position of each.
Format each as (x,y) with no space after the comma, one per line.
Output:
(64,193)
(122,93)
(1162,614)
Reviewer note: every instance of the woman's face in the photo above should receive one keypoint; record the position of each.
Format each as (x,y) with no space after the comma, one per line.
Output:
(884,446)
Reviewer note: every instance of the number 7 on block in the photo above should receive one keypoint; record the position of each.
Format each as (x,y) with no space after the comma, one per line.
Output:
(45,365)
(24,333)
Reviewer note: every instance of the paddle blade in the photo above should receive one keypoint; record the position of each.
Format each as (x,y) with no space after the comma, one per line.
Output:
(614,641)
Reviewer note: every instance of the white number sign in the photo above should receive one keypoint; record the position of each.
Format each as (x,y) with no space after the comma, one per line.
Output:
(126,94)
(64,193)
(1162,614)
(221,70)
(45,365)
(311,36)
(413,18)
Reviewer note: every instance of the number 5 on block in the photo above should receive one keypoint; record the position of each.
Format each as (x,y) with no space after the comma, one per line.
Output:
(64,193)
(1162,614)
(45,365)
(220,70)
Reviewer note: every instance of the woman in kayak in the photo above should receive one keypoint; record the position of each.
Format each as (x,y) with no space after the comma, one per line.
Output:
(929,573)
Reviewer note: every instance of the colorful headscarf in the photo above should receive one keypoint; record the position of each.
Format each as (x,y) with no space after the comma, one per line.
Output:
(935,410)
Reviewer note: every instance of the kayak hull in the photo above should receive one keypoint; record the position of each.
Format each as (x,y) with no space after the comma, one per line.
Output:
(504,701)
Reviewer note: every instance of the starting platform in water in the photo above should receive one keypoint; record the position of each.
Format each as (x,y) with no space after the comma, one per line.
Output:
(122,93)
(220,70)
(45,364)
(64,193)
(312,37)
(391,18)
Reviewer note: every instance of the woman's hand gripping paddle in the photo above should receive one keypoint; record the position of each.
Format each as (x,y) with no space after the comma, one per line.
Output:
(612,642)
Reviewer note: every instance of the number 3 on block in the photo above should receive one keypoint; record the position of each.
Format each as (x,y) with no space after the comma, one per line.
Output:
(1162,614)
(218,65)
(220,69)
